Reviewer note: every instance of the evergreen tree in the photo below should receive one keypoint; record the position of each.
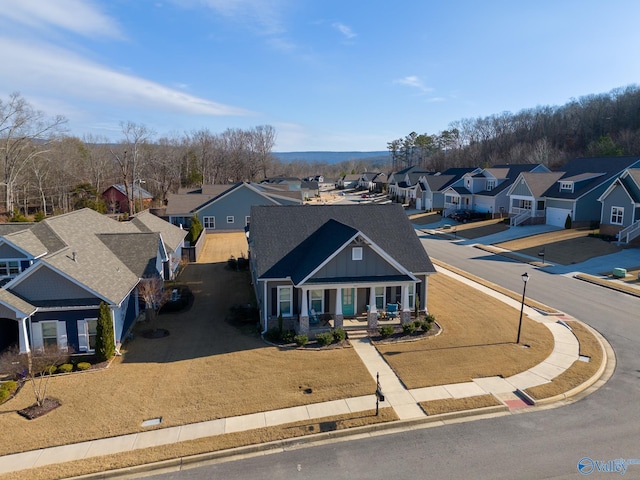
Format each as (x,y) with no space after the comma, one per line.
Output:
(105,343)
(195,229)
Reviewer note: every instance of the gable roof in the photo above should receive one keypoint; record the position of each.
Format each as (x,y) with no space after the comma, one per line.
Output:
(582,170)
(315,231)
(136,191)
(539,182)
(102,255)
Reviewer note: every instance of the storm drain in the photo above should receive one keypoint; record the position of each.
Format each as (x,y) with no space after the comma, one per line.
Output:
(151,422)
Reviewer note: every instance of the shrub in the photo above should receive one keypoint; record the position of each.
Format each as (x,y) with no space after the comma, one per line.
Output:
(82,366)
(288,336)
(429,318)
(105,343)
(301,340)
(425,326)
(325,338)
(9,385)
(339,335)
(65,368)
(386,330)
(194,230)
(4,394)
(273,334)
(409,328)
(567,222)
(49,370)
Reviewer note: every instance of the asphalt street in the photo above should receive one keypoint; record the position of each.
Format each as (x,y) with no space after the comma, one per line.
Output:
(602,430)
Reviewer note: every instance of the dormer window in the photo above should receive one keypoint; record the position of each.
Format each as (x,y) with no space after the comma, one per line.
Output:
(566,186)
(9,268)
(356,253)
(491,185)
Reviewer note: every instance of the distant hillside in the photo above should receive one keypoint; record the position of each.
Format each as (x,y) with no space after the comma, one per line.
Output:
(330,157)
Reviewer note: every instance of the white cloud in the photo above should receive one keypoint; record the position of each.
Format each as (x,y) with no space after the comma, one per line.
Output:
(344,30)
(78,16)
(414,82)
(62,73)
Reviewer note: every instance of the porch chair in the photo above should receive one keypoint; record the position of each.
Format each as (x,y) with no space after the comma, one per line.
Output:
(313,317)
(392,310)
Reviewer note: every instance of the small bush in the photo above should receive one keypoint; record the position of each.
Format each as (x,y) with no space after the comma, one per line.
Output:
(425,326)
(288,336)
(386,330)
(82,366)
(409,328)
(429,318)
(339,335)
(325,338)
(9,385)
(65,368)
(4,395)
(301,340)
(50,370)
(273,334)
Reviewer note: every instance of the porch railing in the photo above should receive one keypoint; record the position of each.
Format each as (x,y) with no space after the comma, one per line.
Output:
(629,233)
(520,218)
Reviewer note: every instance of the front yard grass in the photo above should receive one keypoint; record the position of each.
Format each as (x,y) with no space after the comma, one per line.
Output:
(478,339)
(449,405)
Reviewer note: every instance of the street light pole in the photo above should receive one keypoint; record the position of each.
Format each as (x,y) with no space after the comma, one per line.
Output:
(525,278)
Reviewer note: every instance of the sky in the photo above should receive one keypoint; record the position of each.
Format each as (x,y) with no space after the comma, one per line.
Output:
(327,75)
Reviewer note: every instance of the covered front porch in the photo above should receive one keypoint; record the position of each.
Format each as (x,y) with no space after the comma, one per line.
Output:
(356,306)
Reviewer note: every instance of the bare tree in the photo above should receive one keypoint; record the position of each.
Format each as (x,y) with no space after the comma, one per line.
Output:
(151,290)
(35,368)
(24,135)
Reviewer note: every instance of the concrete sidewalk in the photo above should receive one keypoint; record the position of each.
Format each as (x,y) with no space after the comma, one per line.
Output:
(403,401)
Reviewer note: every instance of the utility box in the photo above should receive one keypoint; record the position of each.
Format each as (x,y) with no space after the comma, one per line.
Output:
(619,272)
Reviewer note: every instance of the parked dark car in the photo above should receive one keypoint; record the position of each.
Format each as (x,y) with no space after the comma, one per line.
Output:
(461,216)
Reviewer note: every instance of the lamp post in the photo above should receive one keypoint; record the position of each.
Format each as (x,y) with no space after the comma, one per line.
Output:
(525,278)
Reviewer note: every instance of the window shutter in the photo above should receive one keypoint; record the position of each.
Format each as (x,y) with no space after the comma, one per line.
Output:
(274,301)
(327,298)
(296,308)
(36,336)
(62,335)
(83,336)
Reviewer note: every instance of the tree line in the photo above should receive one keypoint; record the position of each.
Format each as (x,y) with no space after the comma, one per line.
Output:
(590,126)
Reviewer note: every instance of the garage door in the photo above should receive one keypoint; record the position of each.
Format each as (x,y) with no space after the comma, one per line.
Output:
(557,216)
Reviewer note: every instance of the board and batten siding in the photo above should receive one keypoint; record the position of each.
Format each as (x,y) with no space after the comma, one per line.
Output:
(236,204)
(617,198)
(342,265)
(522,189)
(8,252)
(48,285)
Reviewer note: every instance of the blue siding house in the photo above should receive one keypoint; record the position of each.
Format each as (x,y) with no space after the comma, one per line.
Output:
(223,208)
(56,273)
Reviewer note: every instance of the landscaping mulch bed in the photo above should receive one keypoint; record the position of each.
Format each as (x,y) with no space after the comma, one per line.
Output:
(400,336)
(35,410)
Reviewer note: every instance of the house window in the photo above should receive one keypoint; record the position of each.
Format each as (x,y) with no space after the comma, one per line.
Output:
(566,186)
(285,301)
(317,301)
(617,215)
(49,333)
(412,296)
(380,298)
(247,220)
(356,253)
(87,332)
(209,222)
(230,219)
(9,268)
(491,185)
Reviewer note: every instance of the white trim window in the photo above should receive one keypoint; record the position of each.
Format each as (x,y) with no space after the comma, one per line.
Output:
(285,301)
(412,296)
(48,333)
(491,184)
(566,186)
(617,215)
(317,301)
(209,223)
(247,220)
(231,219)
(356,253)
(380,298)
(9,268)
(87,333)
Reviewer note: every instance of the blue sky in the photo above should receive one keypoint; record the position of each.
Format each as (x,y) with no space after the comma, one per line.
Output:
(327,75)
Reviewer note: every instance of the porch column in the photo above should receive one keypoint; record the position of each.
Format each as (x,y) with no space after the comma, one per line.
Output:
(338,320)
(405,315)
(372,316)
(304,313)
(23,338)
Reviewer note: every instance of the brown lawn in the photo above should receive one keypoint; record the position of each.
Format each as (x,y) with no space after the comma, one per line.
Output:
(564,247)
(480,229)
(478,339)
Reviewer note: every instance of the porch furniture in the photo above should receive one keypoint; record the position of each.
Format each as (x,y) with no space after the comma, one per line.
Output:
(313,317)
(392,310)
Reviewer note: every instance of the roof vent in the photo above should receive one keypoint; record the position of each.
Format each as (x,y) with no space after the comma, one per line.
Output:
(73,256)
